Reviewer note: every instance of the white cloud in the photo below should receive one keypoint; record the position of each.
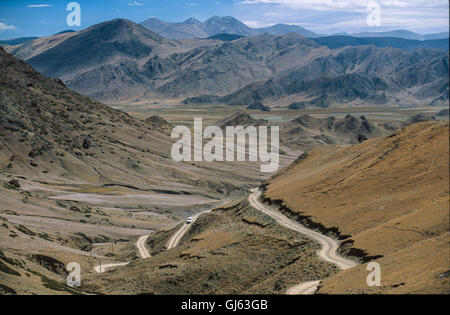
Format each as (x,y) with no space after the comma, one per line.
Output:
(328,16)
(39,5)
(272,14)
(135,4)
(351,5)
(6,27)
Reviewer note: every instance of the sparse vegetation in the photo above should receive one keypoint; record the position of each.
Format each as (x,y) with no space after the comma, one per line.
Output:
(6,290)
(25,230)
(251,258)
(58,286)
(398,185)
(4,268)
(88,174)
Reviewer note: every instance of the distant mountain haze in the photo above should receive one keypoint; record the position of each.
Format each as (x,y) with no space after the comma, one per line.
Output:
(401,43)
(403,34)
(16,41)
(119,61)
(193,28)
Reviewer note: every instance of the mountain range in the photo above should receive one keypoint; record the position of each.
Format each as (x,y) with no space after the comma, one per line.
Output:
(193,28)
(394,42)
(17,41)
(363,74)
(121,61)
(403,34)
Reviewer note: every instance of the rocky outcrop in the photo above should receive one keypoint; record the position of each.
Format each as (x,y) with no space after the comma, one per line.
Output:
(417,119)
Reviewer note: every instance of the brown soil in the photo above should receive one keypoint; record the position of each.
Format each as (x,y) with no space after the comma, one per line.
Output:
(221,254)
(385,197)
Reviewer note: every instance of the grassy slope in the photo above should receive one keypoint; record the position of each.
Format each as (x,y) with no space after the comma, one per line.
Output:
(390,195)
(232,250)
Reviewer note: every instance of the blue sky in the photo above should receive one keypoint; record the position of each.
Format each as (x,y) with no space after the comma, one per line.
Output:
(19,18)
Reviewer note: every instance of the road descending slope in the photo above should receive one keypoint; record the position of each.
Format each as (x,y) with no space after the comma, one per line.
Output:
(176,238)
(140,244)
(143,252)
(386,198)
(103,268)
(329,245)
(305,288)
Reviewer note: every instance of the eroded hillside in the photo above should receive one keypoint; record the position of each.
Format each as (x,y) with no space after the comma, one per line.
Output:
(386,199)
(52,134)
(80,181)
(231,250)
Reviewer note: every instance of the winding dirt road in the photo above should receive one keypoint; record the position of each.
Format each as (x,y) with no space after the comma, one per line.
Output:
(176,238)
(328,251)
(305,288)
(140,244)
(143,252)
(105,267)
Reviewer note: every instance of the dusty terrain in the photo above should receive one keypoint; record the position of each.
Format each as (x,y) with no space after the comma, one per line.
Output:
(82,182)
(74,173)
(328,246)
(210,259)
(386,199)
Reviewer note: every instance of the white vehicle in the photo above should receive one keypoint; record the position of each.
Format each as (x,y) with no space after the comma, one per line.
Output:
(189,220)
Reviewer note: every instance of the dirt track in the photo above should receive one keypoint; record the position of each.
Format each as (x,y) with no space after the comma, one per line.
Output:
(143,252)
(175,239)
(329,246)
(140,244)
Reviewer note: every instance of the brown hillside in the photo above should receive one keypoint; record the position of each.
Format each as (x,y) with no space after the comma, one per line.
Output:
(390,195)
(50,133)
(232,250)
(75,172)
